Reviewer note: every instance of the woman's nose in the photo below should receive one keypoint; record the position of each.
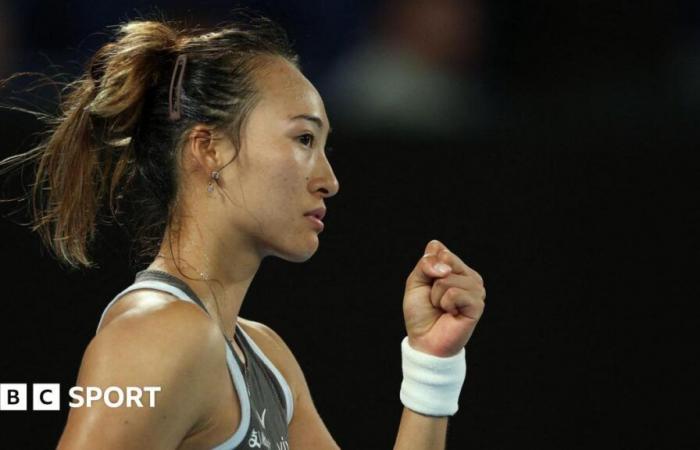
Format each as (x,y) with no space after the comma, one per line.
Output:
(325,181)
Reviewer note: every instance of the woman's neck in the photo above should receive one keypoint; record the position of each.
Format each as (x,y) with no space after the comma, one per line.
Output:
(219,275)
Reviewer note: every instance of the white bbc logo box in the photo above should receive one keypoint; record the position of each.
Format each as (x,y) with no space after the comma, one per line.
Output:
(45,396)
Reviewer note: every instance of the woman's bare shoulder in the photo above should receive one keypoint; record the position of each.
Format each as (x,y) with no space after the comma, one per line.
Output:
(152,303)
(152,342)
(150,325)
(277,351)
(262,332)
(264,336)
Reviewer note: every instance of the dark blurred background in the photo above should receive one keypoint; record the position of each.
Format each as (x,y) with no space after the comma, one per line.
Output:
(549,144)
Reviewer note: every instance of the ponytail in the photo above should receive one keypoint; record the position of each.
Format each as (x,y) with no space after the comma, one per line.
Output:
(88,154)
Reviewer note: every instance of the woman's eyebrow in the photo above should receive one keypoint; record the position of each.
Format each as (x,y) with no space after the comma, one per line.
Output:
(314,119)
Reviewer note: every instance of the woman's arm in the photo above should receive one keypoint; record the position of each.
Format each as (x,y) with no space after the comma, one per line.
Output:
(441,310)
(173,347)
(417,431)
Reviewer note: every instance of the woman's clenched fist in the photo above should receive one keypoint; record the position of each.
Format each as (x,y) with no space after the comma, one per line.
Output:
(443,301)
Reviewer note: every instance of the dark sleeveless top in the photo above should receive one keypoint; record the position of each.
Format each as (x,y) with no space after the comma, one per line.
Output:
(265,397)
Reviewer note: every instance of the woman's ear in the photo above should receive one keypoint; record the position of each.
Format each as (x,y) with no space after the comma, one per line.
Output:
(200,148)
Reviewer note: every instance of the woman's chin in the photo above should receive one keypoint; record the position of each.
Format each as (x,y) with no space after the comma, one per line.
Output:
(301,252)
(308,253)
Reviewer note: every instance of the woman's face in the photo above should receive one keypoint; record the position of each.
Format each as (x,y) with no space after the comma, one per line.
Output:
(281,173)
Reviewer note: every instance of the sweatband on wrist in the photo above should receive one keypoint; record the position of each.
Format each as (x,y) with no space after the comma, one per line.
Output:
(431,384)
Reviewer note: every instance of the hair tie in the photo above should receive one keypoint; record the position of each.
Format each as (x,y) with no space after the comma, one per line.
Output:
(174,105)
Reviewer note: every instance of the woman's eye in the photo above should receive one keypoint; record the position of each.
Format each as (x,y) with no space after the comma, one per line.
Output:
(306,139)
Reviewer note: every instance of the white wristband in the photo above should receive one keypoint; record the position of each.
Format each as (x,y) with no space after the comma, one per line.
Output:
(431,384)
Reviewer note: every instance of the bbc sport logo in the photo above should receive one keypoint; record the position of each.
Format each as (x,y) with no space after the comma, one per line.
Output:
(47,396)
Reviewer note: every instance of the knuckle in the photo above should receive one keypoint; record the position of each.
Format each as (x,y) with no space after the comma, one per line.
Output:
(451,293)
(446,302)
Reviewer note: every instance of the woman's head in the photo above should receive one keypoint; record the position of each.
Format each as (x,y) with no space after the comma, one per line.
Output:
(278,169)
(137,127)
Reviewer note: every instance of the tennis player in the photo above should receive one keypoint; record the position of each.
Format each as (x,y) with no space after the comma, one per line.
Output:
(215,141)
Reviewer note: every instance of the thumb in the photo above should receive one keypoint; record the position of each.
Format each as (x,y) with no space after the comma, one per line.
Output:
(428,267)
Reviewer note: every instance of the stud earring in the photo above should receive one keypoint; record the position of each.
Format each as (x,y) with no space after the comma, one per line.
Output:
(214,177)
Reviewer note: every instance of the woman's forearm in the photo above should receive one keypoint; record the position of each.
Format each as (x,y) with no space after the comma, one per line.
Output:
(419,432)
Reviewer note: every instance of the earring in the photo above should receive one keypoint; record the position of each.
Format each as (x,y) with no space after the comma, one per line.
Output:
(214,177)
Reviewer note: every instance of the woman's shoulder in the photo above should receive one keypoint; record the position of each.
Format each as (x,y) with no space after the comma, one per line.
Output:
(151,338)
(150,304)
(150,324)
(153,341)
(276,350)
(265,338)
(157,325)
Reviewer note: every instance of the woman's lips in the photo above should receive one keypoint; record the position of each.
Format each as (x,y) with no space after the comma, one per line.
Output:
(316,222)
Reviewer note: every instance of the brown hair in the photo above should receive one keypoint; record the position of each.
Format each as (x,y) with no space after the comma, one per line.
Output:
(114,142)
